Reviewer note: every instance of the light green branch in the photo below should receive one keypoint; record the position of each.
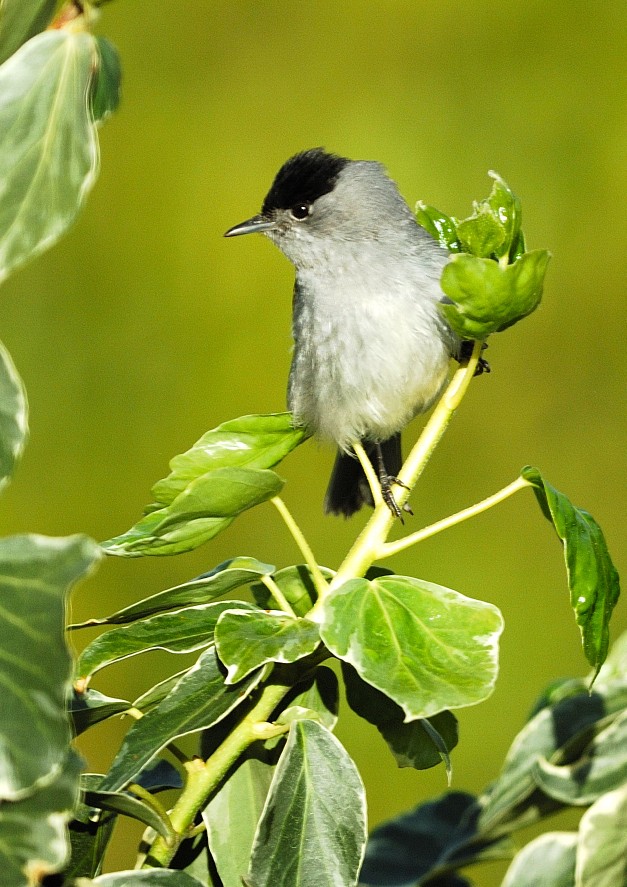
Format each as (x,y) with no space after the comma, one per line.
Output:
(318,579)
(277,594)
(371,475)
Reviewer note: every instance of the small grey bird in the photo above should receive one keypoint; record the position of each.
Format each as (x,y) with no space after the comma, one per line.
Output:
(371,347)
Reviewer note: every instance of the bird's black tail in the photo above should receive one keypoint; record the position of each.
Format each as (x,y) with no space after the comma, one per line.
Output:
(348,488)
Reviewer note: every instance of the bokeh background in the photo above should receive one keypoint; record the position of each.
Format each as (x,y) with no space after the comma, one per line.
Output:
(144,327)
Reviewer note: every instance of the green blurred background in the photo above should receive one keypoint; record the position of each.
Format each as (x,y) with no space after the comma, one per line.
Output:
(144,327)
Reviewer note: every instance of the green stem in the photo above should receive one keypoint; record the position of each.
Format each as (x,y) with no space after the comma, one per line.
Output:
(152,802)
(387,549)
(371,475)
(318,579)
(204,777)
(277,594)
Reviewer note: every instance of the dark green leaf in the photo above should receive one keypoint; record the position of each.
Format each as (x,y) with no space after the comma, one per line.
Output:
(208,505)
(36,574)
(482,235)
(223,579)
(34,836)
(260,441)
(602,847)
(601,768)
(199,700)
(90,833)
(232,815)
(592,577)
(155,694)
(193,857)
(297,587)
(425,646)
(247,639)
(488,297)
(135,808)
(158,776)
(547,861)
(106,88)
(313,827)
(13,416)
(439,226)
(49,144)
(91,707)
(147,878)
(316,698)
(20,20)
(180,631)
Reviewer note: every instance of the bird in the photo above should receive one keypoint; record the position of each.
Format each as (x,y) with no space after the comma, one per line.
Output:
(371,347)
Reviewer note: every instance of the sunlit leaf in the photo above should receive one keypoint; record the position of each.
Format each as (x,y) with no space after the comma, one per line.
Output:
(507,208)
(13,416)
(425,646)
(36,574)
(482,234)
(247,639)
(154,695)
(547,861)
(439,226)
(128,805)
(91,707)
(313,826)
(147,878)
(197,701)
(602,848)
(592,577)
(49,158)
(297,586)
(20,20)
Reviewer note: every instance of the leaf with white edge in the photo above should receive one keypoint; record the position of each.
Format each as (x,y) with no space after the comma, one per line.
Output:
(36,573)
(147,878)
(601,768)
(313,826)
(257,441)
(156,694)
(199,700)
(206,507)
(615,666)
(547,861)
(425,646)
(247,639)
(223,579)
(602,847)
(180,631)
(91,707)
(592,577)
(297,586)
(232,815)
(316,698)
(34,836)
(135,808)
(49,144)
(20,20)
(13,416)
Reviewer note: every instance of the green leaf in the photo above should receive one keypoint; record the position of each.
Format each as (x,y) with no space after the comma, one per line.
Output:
(135,808)
(13,416)
(50,149)
(601,768)
(33,835)
(192,856)
(297,586)
(485,297)
(592,577)
(439,226)
(602,847)
(148,878)
(258,441)
(232,815)
(247,639)
(20,20)
(181,631)
(316,698)
(547,861)
(482,234)
(508,209)
(425,646)
(199,700)
(90,832)
(36,574)
(223,579)
(90,707)
(208,505)
(313,826)
(155,694)
(106,88)
(615,666)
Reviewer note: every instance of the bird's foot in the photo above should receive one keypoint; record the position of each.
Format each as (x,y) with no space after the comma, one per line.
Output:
(387,482)
(465,350)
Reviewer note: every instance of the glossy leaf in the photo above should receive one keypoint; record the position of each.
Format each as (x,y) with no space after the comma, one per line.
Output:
(439,226)
(602,848)
(507,208)
(13,416)
(481,235)
(484,297)
(247,639)
(89,832)
(106,90)
(197,701)
(223,579)
(49,149)
(547,861)
(313,827)
(147,878)
(36,574)
(33,829)
(91,707)
(135,808)
(180,631)
(425,646)
(601,768)
(208,505)
(258,441)
(20,20)
(232,815)
(316,698)
(592,577)
(154,695)
(297,586)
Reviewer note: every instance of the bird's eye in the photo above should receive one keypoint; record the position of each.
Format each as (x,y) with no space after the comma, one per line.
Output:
(301,211)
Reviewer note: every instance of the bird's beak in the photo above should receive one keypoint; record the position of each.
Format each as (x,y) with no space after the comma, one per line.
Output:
(257,224)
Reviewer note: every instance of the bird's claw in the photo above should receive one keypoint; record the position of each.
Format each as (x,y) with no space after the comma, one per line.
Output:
(387,482)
